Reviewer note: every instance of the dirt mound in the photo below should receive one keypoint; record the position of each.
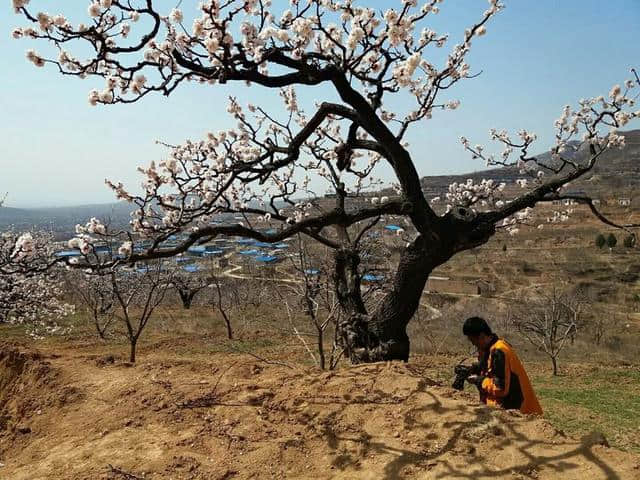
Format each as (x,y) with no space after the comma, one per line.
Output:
(28,386)
(229,417)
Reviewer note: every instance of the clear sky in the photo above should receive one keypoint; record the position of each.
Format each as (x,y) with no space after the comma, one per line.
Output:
(537,56)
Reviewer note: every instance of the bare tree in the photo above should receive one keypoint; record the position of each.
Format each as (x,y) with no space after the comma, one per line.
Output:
(138,294)
(96,294)
(188,284)
(317,297)
(219,302)
(549,320)
(262,168)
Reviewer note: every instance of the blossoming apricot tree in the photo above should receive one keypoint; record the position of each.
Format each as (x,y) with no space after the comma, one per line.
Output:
(265,166)
(29,290)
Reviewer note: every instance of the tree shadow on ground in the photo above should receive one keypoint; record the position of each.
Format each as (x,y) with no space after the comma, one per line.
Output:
(433,453)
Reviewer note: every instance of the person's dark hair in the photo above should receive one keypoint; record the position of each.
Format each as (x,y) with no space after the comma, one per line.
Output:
(475,326)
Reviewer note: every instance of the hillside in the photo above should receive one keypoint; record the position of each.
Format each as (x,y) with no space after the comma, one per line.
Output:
(62,220)
(616,171)
(79,415)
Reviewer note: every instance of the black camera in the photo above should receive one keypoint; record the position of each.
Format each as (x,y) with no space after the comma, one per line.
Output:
(462,373)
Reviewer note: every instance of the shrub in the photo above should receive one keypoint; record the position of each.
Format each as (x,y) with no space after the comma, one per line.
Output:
(611,240)
(600,240)
(614,343)
(629,241)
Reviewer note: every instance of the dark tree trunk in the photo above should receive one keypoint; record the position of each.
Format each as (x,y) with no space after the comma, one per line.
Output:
(554,362)
(101,332)
(389,321)
(225,317)
(132,354)
(382,335)
(227,323)
(347,281)
(321,348)
(187,298)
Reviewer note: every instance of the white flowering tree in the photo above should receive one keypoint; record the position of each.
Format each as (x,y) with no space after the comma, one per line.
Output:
(30,290)
(357,59)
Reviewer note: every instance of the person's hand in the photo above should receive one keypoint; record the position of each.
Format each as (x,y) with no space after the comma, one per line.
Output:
(475,379)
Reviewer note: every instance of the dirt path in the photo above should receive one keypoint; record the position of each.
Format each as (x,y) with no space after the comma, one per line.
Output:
(79,416)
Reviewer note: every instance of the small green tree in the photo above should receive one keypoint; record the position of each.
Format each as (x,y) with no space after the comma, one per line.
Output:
(504,247)
(611,240)
(600,240)
(629,241)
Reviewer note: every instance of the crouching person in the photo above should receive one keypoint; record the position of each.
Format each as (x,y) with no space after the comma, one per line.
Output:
(502,380)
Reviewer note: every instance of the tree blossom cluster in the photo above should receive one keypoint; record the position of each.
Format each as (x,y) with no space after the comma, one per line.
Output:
(382,52)
(247,170)
(140,50)
(582,135)
(261,166)
(30,290)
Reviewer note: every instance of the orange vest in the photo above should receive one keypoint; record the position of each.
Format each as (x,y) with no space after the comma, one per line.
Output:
(506,383)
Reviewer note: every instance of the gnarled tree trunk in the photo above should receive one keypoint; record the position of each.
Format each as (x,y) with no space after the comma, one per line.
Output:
(382,334)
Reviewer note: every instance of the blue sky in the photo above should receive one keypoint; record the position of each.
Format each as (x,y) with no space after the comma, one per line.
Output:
(536,57)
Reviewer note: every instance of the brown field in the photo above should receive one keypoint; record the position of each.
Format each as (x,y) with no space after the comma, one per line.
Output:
(189,410)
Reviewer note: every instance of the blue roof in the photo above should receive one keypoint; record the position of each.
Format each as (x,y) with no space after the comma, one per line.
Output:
(312,271)
(208,253)
(372,278)
(68,253)
(263,244)
(191,268)
(196,249)
(253,251)
(270,231)
(147,268)
(245,241)
(183,259)
(266,258)
(393,228)
(281,245)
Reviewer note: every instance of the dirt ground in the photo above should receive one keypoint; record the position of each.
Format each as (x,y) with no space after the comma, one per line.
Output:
(76,415)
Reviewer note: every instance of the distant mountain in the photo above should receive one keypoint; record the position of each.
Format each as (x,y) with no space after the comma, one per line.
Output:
(62,220)
(617,171)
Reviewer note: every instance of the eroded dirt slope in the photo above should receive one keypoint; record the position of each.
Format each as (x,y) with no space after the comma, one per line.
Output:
(230,417)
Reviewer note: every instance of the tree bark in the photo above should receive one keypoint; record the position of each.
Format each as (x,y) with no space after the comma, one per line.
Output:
(132,354)
(347,281)
(187,298)
(321,348)
(382,334)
